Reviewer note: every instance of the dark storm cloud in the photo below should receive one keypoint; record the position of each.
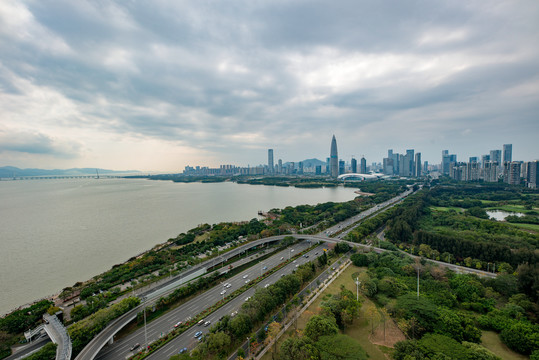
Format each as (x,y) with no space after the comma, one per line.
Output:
(246,74)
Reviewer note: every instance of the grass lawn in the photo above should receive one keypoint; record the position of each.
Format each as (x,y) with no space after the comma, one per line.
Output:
(488,201)
(533,227)
(491,341)
(443,208)
(359,331)
(509,208)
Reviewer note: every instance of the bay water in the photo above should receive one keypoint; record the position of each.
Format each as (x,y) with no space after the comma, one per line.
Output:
(54,233)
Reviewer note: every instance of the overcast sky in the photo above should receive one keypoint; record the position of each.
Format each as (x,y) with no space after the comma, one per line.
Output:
(157,85)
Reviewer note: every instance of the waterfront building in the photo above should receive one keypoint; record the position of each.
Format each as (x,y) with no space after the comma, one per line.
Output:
(341,167)
(507,152)
(300,168)
(363,166)
(334,158)
(270,161)
(318,170)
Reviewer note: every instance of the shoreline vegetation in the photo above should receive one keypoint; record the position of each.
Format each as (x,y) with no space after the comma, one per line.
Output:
(444,221)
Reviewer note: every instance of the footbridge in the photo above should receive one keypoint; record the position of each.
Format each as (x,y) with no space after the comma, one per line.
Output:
(58,334)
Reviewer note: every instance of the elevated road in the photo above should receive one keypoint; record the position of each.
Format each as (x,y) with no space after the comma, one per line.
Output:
(165,324)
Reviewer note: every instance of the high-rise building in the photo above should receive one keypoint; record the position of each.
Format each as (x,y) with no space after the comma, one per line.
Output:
(484,160)
(318,170)
(270,161)
(341,167)
(363,166)
(532,174)
(334,158)
(280,166)
(507,152)
(418,166)
(300,169)
(513,172)
(445,162)
(496,155)
(473,159)
(409,163)
(354,165)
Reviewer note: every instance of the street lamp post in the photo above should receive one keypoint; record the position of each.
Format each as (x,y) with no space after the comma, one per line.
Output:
(248,346)
(357,288)
(145,332)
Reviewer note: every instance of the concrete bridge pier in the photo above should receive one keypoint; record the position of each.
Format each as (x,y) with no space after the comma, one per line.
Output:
(111,340)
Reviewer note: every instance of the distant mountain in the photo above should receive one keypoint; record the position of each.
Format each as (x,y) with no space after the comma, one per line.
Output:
(10,171)
(309,163)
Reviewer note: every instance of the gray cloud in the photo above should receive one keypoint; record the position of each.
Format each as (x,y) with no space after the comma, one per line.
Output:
(38,144)
(226,77)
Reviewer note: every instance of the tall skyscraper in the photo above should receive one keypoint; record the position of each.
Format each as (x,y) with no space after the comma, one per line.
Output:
(363,166)
(280,166)
(354,165)
(334,159)
(496,155)
(270,161)
(507,152)
(418,166)
(341,167)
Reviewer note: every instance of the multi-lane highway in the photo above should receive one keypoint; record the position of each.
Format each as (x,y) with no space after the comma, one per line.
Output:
(188,340)
(165,323)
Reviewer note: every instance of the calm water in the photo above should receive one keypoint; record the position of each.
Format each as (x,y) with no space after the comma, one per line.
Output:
(500,215)
(54,233)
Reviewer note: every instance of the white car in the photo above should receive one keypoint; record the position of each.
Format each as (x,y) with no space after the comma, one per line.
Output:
(228,285)
(247,281)
(265,286)
(223,292)
(207,323)
(247,298)
(245,276)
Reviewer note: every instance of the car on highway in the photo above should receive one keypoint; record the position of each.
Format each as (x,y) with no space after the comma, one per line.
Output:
(282,257)
(247,281)
(182,350)
(200,322)
(178,324)
(265,268)
(234,313)
(207,323)
(134,346)
(294,261)
(265,286)
(245,276)
(198,334)
(247,298)
(223,292)
(227,285)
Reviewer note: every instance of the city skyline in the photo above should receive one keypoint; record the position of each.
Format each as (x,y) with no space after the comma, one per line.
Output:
(156,87)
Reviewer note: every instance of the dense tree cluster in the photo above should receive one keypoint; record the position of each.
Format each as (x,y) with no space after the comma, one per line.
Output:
(265,301)
(321,339)
(83,331)
(25,319)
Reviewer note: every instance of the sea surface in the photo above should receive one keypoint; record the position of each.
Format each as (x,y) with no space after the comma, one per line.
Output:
(54,233)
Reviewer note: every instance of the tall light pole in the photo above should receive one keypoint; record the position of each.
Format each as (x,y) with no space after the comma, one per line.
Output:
(261,268)
(248,346)
(357,288)
(145,332)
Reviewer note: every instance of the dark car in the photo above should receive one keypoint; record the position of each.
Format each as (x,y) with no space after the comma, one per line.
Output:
(182,351)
